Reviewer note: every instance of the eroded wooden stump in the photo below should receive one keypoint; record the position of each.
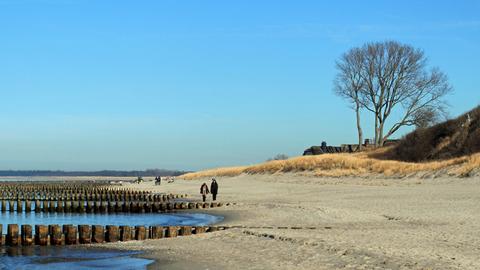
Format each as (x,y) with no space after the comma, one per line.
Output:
(70,233)
(156,232)
(98,234)
(185,230)
(27,237)
(113,233)
(140,233)
(55,235)
(171,231)
(12,235)
(125,233)
(84,234)
(41,235)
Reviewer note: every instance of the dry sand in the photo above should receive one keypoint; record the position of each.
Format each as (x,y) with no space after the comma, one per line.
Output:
(361,224)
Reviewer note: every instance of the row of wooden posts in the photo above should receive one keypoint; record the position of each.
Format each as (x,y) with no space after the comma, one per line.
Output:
(93,197)
(75,191)
(59,186)
(104,207)
(57,235)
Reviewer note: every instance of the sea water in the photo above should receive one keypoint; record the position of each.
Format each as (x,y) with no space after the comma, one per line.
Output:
(129,219)
(69,258)
(78,257)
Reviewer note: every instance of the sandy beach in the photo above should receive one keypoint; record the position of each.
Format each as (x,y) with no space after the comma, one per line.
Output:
(346,223)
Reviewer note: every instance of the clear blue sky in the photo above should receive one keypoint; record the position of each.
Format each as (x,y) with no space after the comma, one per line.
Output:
(89,85)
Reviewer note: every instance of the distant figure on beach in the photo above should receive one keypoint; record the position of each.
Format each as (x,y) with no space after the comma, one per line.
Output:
(204,191)
(214,189)
(158,180)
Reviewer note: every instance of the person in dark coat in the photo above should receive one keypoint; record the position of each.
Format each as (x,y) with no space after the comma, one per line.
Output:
(214,188)
(204,191)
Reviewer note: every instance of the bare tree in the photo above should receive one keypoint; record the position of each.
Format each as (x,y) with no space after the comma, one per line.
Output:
(394,78)
(427,117)
(348,84)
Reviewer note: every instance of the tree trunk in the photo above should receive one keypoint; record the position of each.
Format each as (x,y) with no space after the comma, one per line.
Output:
(359,126)
(376,129)
(381,140)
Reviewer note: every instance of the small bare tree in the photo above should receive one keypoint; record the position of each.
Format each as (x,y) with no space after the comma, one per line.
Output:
(394,78)
(348,84)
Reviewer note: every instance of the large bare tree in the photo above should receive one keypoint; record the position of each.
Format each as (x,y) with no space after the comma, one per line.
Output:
(348,84)
(395,81)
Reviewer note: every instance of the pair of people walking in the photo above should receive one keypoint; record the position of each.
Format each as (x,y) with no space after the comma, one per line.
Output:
(213,189)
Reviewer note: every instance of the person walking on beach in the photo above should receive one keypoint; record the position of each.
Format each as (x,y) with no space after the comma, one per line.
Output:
(214,189)
(204,191)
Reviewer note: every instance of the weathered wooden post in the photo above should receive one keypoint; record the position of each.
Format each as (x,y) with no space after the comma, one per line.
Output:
(60,206)
(4,206)
(185,230)
(55,235)
(212,229)
(45,206)
(70,233)
(19,206)
(11,206)
(76,207)
(111,207)
(84,234)
(140,233)
(81,206)
(134,207)
(147,208)
(38,206)
(51,206)
(98,234)
(103,207)
(27,239)
(89,207)
(125,233)
(28,206)
(156,232)
(113,233)
(171,231)
(118,207)
(1,234)
(199,230)
(125,207)
(41,235)
(100,207)
(12,235)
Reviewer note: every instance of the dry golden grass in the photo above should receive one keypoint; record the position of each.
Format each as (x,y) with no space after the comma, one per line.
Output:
(338,165)
(229,171)
(470,166)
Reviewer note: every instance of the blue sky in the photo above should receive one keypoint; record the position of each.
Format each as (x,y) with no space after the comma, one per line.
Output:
(89,85)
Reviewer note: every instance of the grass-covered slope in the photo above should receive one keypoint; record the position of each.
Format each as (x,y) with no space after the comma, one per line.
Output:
(454,138)
(338,165)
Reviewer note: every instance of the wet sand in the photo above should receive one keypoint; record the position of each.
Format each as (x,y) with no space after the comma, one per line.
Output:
(359,224)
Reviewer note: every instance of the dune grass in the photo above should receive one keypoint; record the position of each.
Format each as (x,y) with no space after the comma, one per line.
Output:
(338,165)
